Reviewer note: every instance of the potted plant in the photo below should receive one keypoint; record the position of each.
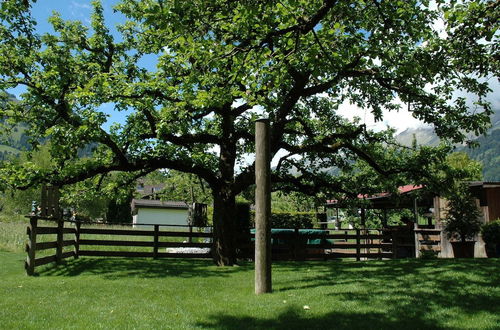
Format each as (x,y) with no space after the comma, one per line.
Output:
(462,222)
(491,236)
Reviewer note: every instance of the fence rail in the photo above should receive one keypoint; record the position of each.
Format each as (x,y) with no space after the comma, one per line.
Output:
(291,245)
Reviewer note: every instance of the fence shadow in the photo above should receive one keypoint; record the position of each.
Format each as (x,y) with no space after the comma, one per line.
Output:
(116,268)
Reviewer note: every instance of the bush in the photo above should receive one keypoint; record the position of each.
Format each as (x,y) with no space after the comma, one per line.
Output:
(491,232)
(299,220)
(462,217)
(428,254)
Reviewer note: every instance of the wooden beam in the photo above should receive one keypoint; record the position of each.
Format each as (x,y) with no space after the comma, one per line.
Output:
(263,281)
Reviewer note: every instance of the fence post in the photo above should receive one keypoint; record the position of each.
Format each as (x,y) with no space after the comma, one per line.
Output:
(190,238)
(417,241)
(77,239)
(394,245)
(31,246)
(59,247)
(358,243)
(296,243)
(155,244)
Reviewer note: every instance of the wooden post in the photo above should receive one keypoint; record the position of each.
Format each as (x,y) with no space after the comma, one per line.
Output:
(77,239)
(44,202)
(31,247)
(363,225)
(263,282)
(155,246)
(394,244)
(296,245)
(59,247)
(358,243)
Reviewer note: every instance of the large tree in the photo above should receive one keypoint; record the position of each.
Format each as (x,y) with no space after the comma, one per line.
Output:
(222,64)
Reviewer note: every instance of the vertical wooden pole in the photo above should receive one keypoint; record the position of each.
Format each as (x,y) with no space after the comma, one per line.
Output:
(263,282)
(358,243)
(363,226)
(59,248)
(156,238)
(44,202)
(337,220)
(296,245)
(77,239)
(415,228)
(394,244)
(30,260)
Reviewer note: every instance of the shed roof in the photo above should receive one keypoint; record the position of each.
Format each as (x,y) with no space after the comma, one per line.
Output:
(148,203)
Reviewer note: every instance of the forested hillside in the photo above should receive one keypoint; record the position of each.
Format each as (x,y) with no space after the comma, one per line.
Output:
(488,152)
(12,139)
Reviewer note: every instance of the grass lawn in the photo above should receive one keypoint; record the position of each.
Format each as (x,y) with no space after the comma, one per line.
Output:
(152,294)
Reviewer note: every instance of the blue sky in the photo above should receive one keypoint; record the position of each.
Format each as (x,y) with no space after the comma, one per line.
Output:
(81,11)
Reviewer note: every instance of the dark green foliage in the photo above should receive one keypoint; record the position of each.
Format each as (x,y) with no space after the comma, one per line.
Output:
(462,218)
(491,232)
(119,212)
(299,220)
(242,223)
(428,254)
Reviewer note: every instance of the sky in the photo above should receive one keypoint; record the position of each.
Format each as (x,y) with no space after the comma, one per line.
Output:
(81,10)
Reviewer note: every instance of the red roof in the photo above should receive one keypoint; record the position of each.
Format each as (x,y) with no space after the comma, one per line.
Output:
(402,190)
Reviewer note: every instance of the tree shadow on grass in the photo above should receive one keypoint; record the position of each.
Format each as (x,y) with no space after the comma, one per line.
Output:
(409,290)
(295,319)
(116,268)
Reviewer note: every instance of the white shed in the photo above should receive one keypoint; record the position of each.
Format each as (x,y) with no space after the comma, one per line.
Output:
(157,212)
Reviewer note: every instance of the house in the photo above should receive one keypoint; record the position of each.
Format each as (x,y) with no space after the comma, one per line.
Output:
(158,212)
(434,207)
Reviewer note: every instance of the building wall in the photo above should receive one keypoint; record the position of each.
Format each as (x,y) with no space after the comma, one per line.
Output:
(161,216)
(493,200)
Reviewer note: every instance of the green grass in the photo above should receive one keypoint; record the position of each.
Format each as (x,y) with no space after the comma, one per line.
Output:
(98,293)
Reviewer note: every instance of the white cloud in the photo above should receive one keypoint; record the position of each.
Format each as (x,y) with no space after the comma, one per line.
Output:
(400,120)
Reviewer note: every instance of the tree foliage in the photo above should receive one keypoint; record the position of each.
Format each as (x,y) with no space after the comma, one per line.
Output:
(223,64)
(462,220)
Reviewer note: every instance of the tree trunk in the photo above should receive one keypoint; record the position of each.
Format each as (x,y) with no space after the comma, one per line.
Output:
(224,248)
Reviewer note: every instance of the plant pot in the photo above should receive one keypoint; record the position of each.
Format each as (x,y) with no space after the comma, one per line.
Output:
(493,250)
(463,249)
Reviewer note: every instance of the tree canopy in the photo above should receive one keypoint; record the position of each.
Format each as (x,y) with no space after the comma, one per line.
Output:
(222,64)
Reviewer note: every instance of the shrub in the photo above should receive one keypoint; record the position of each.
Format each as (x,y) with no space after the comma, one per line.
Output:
(299,220)
(428,254)
(491,232)
(462,217)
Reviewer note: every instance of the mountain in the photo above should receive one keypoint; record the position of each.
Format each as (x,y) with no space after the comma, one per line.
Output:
(13,140)
(488,152)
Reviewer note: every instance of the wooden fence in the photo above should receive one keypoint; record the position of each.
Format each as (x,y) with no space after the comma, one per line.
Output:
(428,240)
(292,245)
(353,243)
(82,243)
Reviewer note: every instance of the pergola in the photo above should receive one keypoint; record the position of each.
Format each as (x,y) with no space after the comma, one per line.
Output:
(408,197)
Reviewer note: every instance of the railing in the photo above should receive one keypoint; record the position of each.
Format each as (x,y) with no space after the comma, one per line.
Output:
(351,243)
(83,242)
(291,244)
(428,240)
